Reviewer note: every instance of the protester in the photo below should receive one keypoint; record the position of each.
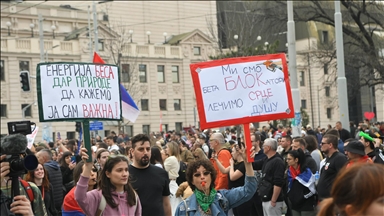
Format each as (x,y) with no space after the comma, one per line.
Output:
(236,176)
(54,176)
(185,154)
(205,200)
(70,206)
(357,190)
(101,157)
(172,166)
(199,154)
(356,154)
(66,167)
(301,184)
(114,187)
(313,151)
(299,143)
(21,204)
(156,158)
(272,180)
(333,163)
(40,178)
(217,142)
(150,182)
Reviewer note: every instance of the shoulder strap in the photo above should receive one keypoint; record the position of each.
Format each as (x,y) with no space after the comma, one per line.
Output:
(102,205)
(28,189)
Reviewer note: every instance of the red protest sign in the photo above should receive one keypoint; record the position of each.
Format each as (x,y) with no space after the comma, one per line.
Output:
(242,90)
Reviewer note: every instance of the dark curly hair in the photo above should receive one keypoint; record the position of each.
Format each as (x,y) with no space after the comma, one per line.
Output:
(141,138)
(192,168)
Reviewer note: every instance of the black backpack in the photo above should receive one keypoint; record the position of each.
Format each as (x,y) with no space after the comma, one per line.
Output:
(182,171)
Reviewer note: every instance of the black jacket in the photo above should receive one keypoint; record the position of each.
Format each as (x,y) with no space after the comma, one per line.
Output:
(272,170)
(299,202)
(310,163)
(55,178)
(67,174)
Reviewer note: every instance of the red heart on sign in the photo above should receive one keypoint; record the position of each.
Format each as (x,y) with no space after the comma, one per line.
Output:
(369,115)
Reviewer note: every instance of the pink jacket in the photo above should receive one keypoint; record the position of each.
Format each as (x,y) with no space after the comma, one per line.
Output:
(89,201)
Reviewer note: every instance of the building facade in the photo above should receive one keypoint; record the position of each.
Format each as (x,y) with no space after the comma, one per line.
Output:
(158,72)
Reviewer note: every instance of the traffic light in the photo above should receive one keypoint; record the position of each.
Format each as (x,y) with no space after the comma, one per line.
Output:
(78,126)
(24,80)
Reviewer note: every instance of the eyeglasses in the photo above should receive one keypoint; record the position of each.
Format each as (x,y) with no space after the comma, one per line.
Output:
(322,143)
(206,173)
(196,156)
(211,140)
(94,169)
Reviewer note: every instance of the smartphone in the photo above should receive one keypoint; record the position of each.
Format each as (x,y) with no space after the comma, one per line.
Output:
(73,159)
(239,143)
(58,136)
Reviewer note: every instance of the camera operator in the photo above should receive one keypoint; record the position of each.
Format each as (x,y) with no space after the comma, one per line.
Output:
(21,205)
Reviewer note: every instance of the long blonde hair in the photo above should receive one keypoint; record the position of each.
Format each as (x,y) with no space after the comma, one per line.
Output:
(173,149)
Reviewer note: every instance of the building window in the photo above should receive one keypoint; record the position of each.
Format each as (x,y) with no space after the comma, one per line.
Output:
(325,68)
(125,73)
(178,126)
(143,73)
(28,111)
(101,45)
(160,74)
(163,104)
(196,51)
(175,74)
(144,105)
(23,66)
(302,78)
(3,110)
(2,71)
(129,130)
(165,127)
(177,104)
(324,37)
(329,113)
(146,129)
(304,104)
(107,133)
(327,91)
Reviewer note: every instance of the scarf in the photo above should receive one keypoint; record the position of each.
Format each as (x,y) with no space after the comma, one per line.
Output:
(306,178)
(294,172)
(205,200)
(364,159)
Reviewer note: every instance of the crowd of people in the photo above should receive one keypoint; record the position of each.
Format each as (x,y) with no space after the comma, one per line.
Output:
(323,172)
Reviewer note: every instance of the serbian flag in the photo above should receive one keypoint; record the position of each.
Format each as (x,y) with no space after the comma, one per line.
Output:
(129,110)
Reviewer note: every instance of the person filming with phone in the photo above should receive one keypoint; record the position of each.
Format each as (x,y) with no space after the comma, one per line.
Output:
(67,164)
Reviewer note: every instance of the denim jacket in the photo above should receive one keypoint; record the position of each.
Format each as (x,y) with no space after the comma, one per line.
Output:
(224,200)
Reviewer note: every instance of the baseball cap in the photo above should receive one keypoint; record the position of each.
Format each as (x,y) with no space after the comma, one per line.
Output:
(356,147)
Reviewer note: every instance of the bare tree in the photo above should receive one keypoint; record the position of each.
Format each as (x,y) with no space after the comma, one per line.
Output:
(119,49)
(363,28)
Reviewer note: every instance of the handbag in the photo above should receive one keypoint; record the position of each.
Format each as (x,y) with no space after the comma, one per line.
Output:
(265,190)
(68,186)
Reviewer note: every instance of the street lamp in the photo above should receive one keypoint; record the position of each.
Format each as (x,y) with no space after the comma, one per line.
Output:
(9,26)
(258,38)
(46,52)
(266,43)
(53,27)
(149,35)
(32,26)
(165,37)
(130,33)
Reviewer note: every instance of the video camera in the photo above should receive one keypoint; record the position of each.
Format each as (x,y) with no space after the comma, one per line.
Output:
(20,158)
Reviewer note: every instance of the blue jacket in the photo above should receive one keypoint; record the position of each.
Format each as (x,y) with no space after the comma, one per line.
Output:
(224,200)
